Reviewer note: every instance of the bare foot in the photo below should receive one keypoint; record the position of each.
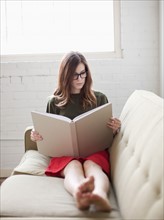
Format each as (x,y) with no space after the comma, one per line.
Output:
(83,194)
(100,203)
(83,200)
(87,185)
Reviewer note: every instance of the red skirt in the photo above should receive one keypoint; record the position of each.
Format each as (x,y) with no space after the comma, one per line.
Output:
(57,164)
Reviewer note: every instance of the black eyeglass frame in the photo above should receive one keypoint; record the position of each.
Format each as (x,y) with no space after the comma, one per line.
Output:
(76,75)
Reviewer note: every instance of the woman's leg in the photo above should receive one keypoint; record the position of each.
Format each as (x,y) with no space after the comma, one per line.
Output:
(77,184)
(99,196)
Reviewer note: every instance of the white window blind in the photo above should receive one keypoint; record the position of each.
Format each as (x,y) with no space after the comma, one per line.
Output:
(45,27)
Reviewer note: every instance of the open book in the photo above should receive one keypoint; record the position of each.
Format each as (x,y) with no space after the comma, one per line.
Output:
(84,135)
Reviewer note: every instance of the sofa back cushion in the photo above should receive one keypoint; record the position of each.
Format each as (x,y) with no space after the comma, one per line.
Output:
(137,157)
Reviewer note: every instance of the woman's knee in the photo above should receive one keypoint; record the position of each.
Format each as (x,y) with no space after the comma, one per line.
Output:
(90,165)
(75,163)
(72,165)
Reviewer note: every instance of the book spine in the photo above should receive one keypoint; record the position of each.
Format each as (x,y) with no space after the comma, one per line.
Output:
(74,139)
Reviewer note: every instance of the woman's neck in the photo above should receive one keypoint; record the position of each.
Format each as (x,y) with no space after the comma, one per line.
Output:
(73,91)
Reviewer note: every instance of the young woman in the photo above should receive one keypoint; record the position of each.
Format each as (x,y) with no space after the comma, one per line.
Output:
(86,179)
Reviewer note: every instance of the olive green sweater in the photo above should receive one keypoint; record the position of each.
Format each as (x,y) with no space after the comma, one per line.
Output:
(74,107)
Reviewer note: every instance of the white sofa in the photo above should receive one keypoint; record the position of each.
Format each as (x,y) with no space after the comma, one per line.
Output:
(136,173)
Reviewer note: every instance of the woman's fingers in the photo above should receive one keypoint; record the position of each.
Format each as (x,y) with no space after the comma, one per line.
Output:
(35,136)
(114,124)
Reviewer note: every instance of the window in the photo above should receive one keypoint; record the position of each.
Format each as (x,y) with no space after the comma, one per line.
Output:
(55,27)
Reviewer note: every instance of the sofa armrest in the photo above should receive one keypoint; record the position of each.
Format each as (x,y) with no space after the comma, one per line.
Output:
(28,143)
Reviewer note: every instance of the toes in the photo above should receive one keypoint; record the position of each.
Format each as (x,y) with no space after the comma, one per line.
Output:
(87,185)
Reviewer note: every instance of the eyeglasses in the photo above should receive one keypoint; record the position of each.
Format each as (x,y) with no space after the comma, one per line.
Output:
(82,75)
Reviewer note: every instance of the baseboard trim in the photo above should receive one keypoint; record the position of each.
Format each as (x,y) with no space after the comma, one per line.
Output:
(5,172)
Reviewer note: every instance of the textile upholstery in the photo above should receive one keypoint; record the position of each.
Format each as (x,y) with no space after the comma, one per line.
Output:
(137,158)
(136,173)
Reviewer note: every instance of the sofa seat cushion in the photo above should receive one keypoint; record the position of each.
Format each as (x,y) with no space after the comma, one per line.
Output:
(42,196)
(137,158)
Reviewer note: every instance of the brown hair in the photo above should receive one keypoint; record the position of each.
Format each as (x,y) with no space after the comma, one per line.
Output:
(68,66)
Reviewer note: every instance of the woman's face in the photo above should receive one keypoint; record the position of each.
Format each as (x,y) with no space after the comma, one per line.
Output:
(79,80)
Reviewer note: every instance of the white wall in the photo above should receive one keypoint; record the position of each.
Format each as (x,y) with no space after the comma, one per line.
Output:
(161,47)
(25,85)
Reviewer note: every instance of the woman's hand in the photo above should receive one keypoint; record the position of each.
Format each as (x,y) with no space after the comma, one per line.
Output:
(35,136)
(114,124)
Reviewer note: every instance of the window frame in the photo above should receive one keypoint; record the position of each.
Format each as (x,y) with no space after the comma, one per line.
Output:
(117,53)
